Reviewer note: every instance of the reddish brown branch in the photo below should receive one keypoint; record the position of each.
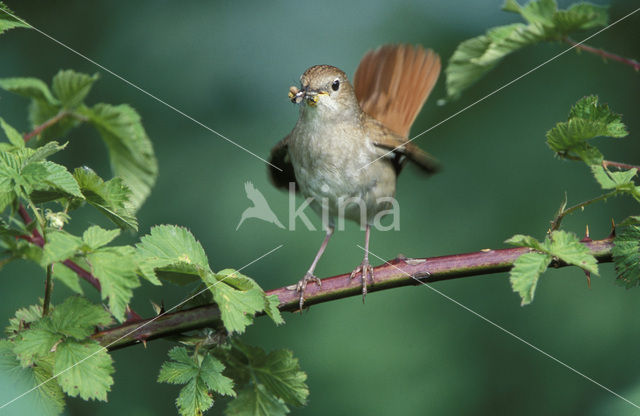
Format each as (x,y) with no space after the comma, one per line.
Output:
(395,273)
(39,129)
(607,163)
(604,54)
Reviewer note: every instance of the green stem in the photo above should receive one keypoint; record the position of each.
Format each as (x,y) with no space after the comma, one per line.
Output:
(48,288)
(555,224)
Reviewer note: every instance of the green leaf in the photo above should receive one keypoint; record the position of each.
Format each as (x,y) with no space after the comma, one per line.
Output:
(525,273)
(47,399)
(475,57)
(524,241)
(115,268)
(130,150)
(626,256)
(201,375)
(111,197)
(568,248)
(528,267)
(36,342)
(607,179)
(256,401)
(60,246)
(277,375)
(12,134)
(72,87)
(237,307)
(271,309)
(68,277)
(587,120)
(50,181)
(30,88)
(172,253)
(280,373)
(23,317)
(9,20)
(43,152)
(96,236)
(77,317)
(85,369)
(581,16)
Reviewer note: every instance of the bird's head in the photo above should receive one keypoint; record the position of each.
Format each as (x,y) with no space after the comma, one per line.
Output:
(325,90)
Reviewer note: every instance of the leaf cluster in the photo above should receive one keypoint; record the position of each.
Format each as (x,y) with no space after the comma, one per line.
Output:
(573,139)
(263,384)
(475,57)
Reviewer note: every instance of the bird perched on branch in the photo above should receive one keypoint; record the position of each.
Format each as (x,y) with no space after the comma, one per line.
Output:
(351,142)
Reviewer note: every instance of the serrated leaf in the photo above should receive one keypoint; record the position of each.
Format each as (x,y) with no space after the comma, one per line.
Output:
(12,134)
(35,343)
(115,268)
(271,309)
(587,120)
(72,87)
(60,246)
(278,374)
(111,197)
(43,152)
(96,236)
(22,318)
(622,180)
(237,307)
(85,369)
(568,248)
(29,87)
(626,255)
(171,252)
(9,20)
(563,245)
(475,57)
(201,375)
(524,241)
(525,273)
(50,181)
(47,399)
(77,317)
(130,150)
(256,401)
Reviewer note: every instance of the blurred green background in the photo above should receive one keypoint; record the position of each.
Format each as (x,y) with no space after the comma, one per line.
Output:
(409,350)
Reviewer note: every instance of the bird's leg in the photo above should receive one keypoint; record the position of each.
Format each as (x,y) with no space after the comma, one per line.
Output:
(309,276)
(365,269)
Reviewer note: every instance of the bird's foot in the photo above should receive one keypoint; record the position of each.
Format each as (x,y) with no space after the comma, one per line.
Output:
(366,270)
(302,286)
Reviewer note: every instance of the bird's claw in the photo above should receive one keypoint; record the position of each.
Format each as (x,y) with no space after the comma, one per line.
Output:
(302,286)
(365,269)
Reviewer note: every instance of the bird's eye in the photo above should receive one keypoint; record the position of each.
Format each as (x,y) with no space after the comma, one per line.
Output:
(335,85)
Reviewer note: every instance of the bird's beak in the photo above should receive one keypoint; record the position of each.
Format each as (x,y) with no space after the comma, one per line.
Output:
(311,96)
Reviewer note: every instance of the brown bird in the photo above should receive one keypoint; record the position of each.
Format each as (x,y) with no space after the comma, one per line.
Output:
(351,142)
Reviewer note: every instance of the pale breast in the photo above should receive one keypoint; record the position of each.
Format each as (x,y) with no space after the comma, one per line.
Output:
(333,165)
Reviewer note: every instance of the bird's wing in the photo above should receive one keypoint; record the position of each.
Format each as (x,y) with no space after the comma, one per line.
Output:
(398,148)
(393,82)
(280,158)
